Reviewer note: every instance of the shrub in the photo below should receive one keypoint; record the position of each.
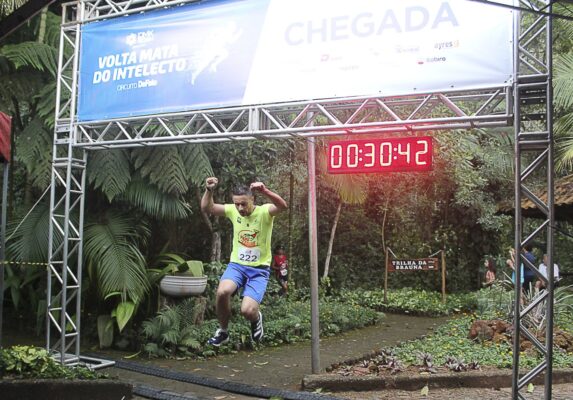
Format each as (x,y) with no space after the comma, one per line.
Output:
(33,362)
(409,301)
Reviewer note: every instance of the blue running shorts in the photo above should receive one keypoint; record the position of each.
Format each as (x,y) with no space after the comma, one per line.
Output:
(254,280)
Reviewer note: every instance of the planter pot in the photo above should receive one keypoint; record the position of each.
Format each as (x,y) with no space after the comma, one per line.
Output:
(183,285)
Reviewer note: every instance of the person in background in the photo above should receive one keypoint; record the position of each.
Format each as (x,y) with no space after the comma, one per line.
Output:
(490,272)
(528,274)
(280,266)
(543,270)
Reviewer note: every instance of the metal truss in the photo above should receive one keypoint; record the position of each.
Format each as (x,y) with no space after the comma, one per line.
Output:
(456,110)
(526,104)
(66,210)
(533,94)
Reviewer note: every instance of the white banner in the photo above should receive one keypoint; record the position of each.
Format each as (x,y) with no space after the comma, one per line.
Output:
(312,49)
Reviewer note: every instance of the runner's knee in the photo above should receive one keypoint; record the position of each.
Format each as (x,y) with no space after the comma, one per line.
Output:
(250,311)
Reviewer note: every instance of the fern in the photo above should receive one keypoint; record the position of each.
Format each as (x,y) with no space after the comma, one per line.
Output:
(163,166)
(196,163)
(39,56)
(108,170)
(149,199)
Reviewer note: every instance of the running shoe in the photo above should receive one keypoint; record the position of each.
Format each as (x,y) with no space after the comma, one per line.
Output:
(257,331)
(221,337)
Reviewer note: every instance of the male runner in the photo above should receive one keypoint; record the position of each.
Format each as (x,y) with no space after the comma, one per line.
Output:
(251,256)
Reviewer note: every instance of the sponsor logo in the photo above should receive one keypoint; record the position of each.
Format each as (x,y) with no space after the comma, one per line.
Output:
(430,60)
(139,38)
(447,45)
(248,238)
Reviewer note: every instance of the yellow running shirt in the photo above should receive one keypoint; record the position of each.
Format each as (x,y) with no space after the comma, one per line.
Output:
(251,236)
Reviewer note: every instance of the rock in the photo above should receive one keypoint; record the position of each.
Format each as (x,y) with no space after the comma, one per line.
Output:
(487,329)
(480,330)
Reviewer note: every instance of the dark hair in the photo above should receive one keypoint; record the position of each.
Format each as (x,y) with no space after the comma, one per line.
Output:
(279,247)
(242,190)
(491,265)
(528,247)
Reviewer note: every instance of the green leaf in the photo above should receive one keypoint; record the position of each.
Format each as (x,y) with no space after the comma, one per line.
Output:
(425,391)
(530,388)
(105,331)
(124,312)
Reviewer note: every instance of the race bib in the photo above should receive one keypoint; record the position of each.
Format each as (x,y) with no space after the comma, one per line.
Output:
(252,254)
(284,272)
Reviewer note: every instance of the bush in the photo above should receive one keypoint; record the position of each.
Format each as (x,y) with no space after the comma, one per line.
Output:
(409,301)
(33,362)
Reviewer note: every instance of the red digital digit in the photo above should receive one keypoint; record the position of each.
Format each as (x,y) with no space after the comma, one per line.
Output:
(409,154)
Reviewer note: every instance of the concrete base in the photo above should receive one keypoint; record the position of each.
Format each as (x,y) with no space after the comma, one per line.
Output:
(58,389)
(474,379)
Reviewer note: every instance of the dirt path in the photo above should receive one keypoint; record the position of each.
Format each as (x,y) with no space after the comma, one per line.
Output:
(284,367)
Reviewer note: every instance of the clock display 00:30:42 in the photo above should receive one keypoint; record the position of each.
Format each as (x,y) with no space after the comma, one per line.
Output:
(408,154)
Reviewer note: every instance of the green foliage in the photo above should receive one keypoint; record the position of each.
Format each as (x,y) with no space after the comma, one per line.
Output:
(33,362)
(39,56)
(34,146)
(109,171)
(111,247)
(172,333)
(409,301)
(451,341)
(163,166)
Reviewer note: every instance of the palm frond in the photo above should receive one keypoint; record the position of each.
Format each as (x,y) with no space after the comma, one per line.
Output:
(196,163)
(34,150)
(153,202)
(39,56)
(351,188)
(46,106)
(19,85)
(563,81)
(163,166)
(30,242)
(109,171)
(120,266)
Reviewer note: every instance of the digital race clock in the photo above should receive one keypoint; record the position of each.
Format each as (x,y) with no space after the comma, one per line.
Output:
(380,155)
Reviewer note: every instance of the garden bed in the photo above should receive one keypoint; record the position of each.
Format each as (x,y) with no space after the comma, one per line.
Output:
(411,379)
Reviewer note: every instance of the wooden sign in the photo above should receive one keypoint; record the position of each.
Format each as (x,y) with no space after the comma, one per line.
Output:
(417,264)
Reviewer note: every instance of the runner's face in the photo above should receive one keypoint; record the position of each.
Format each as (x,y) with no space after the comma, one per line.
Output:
(245,204)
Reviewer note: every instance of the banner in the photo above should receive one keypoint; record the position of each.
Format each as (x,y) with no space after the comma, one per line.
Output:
(245,52)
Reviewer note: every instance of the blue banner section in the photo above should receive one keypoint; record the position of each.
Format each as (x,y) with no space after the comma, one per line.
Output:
(190,57)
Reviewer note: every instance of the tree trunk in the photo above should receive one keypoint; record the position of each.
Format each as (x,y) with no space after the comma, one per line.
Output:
(331,240)
(215,234)
(384,225)
(291,211)
(42,28)
(216,245)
